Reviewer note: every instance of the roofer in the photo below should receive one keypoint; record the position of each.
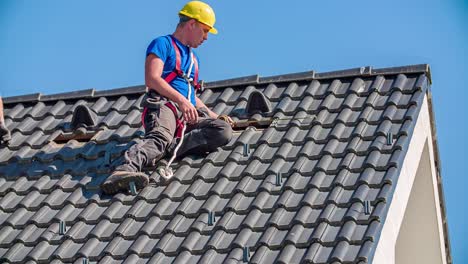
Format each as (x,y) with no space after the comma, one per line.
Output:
(5,135)
(171,108)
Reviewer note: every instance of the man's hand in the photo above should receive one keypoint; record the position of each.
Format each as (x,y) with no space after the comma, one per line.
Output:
(189,112)
(227,119)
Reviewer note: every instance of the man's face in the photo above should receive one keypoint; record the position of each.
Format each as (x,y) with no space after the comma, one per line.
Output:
(199,33)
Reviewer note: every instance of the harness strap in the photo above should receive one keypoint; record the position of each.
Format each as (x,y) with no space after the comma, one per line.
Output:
(178,71)
(143,115)
(179,123)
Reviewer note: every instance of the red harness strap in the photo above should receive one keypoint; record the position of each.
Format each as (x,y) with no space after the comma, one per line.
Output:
(177,70)
(179,123)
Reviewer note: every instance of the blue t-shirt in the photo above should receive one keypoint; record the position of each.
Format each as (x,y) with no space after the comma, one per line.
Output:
(162,47)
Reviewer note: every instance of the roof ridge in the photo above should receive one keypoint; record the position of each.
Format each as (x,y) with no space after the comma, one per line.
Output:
(245,80)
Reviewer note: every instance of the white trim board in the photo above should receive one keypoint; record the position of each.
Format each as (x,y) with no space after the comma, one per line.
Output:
(387,250)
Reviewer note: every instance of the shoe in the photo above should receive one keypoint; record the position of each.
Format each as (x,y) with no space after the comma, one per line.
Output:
(120,181)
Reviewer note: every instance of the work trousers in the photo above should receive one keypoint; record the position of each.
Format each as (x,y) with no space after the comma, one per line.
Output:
(160,127)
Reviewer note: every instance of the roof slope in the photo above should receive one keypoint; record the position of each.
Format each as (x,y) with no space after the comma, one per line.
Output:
(329,145)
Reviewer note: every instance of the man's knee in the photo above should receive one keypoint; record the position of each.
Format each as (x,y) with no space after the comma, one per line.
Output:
(223,133)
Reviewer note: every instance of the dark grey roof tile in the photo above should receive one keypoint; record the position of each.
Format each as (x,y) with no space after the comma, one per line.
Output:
(256,168)
(49,124)
(112,120)
(79,231)
(122,104)
(211,256)
(281,218)
(18,252)
(26,126)
(225,96)
(132,258)
(167,209)
(221,240)
(191,206)
(67,250)
(142,246)
(231,169)
(344,252)
(364,252)
(117,246)
(247,238)
(92,248)
(296,181)
(153,226)
(371,177)
(199,188)
(207,96)
(33,200)
(223,187)
(240,203)
(44,215)
(264,255)
(370,232)
(256,220)
(116,211)
(159,257)
(246,93)
(288,199)
(10,201)
(306,166)
(176,189)
(248,184)
(56,198)
(14,111)
(101,105)
(187,257)
(317,180)
(91,213)
(272,92)
(7,235)
(129,228)
(42,251)
(104,229)
(273,237)
(195,242)
(170,243)
(314,198)
(230,221)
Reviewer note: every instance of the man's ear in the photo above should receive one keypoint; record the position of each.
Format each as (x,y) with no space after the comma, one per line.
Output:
(192,22)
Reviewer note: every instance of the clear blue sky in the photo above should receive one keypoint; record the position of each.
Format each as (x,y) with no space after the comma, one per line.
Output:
(57,46)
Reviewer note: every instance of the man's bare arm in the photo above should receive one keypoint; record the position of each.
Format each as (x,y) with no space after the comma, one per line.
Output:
(202,106)
(2,120)
(153,80)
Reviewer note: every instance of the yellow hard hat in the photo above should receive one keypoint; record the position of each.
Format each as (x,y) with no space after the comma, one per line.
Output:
(201,12)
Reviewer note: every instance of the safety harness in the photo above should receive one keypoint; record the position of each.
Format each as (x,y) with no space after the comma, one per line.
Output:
(177,72)
(180,124)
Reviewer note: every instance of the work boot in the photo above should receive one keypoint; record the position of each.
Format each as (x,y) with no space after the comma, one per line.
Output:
(5,135)
(120,181)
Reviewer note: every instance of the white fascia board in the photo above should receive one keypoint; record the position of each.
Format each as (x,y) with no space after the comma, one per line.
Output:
(385,251)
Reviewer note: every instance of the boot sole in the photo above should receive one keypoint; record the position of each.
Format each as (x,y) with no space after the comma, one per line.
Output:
(140,179)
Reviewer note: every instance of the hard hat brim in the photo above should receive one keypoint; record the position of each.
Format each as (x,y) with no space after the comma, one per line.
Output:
(213,31)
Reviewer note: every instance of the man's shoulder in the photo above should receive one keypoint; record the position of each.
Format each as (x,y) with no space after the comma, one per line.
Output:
(160,46)
(162,39)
